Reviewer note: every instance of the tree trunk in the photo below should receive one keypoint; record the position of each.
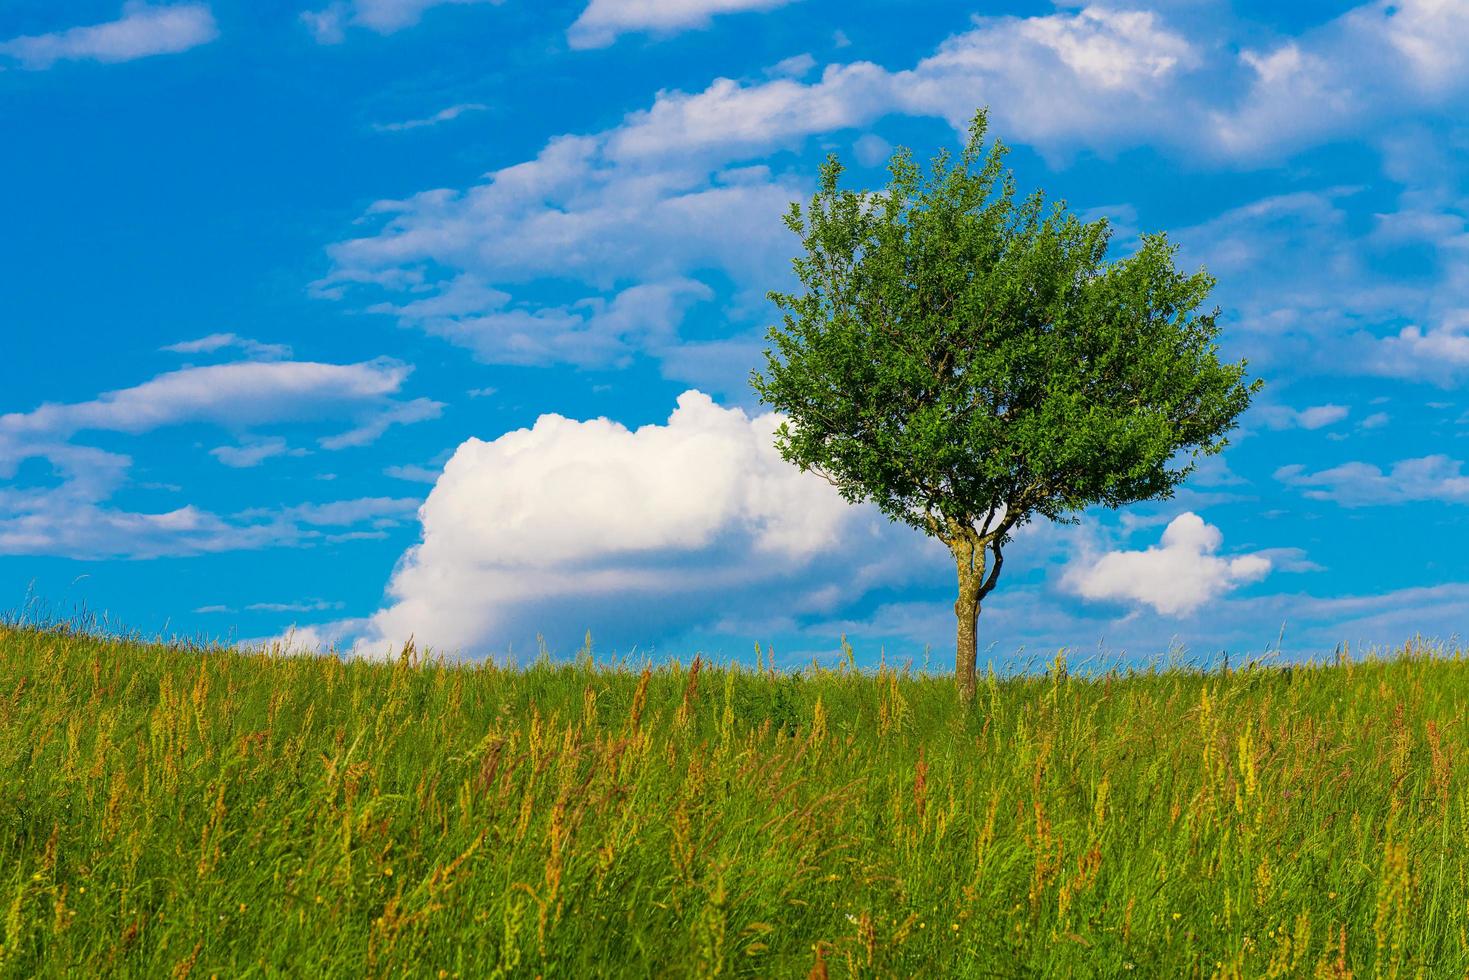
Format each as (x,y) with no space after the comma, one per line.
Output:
(970,561)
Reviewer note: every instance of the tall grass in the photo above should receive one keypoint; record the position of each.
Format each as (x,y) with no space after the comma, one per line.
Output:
(173,812)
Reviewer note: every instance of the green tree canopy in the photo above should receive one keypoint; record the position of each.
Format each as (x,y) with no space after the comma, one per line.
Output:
(968,360)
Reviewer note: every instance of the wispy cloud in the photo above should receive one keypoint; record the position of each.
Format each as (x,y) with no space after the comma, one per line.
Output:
(215,342)
(144,29)
(1314,417)
(443,115)
(1359,484)
(73,517)
(603,20)
(253,453)
(329,24)
(238,396)
(312,605)
(400,413)
(72,522)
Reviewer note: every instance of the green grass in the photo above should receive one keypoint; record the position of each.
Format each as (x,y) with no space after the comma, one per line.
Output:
(167,811)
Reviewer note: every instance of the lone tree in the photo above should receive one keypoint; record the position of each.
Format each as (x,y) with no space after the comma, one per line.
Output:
(967,361)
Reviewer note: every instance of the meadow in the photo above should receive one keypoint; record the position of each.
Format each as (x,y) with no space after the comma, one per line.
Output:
(180,810)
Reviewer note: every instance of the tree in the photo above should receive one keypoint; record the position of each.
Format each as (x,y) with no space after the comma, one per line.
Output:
(969,361)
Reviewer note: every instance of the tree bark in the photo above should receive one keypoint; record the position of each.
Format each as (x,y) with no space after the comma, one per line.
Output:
(970,561)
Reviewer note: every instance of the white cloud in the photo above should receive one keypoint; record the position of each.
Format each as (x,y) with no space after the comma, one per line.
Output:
(1093,78)
(443,115)
(329,24)
(397,413)
(591,332)
(69,514)
(1341,311)
(871,149)
(573,213)
(1314,417)
(144,29)
(1097,78)
(381,511)
(1440,353)
(54,523)
(236,396)
(603,20)
(796,66)
(729,120)
(1375,421)
(253,453)
(559,526)
(628,234)
(1358,484)
(674,193)
(1174,578)
(413,473)
(1380,60)
(72,521)
(253,349)
(311,605)
(659,200)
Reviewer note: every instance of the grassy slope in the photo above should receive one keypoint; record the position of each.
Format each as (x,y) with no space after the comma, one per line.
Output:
(163,810)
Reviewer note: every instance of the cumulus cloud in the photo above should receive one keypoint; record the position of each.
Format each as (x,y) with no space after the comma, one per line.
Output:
(1176,577)
(559,527)
(603,20)
(1358,484)
(329,25)
(144,29)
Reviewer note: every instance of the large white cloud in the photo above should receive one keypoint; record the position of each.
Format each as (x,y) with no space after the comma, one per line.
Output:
(143,29)
(1175,578)
(570,525)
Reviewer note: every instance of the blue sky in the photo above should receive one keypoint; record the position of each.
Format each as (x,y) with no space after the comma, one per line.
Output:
(379,318)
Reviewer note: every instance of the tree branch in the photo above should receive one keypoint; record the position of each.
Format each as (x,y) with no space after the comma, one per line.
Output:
(994,575)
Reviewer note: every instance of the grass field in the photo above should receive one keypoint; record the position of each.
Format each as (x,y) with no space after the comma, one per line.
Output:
(167,811)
